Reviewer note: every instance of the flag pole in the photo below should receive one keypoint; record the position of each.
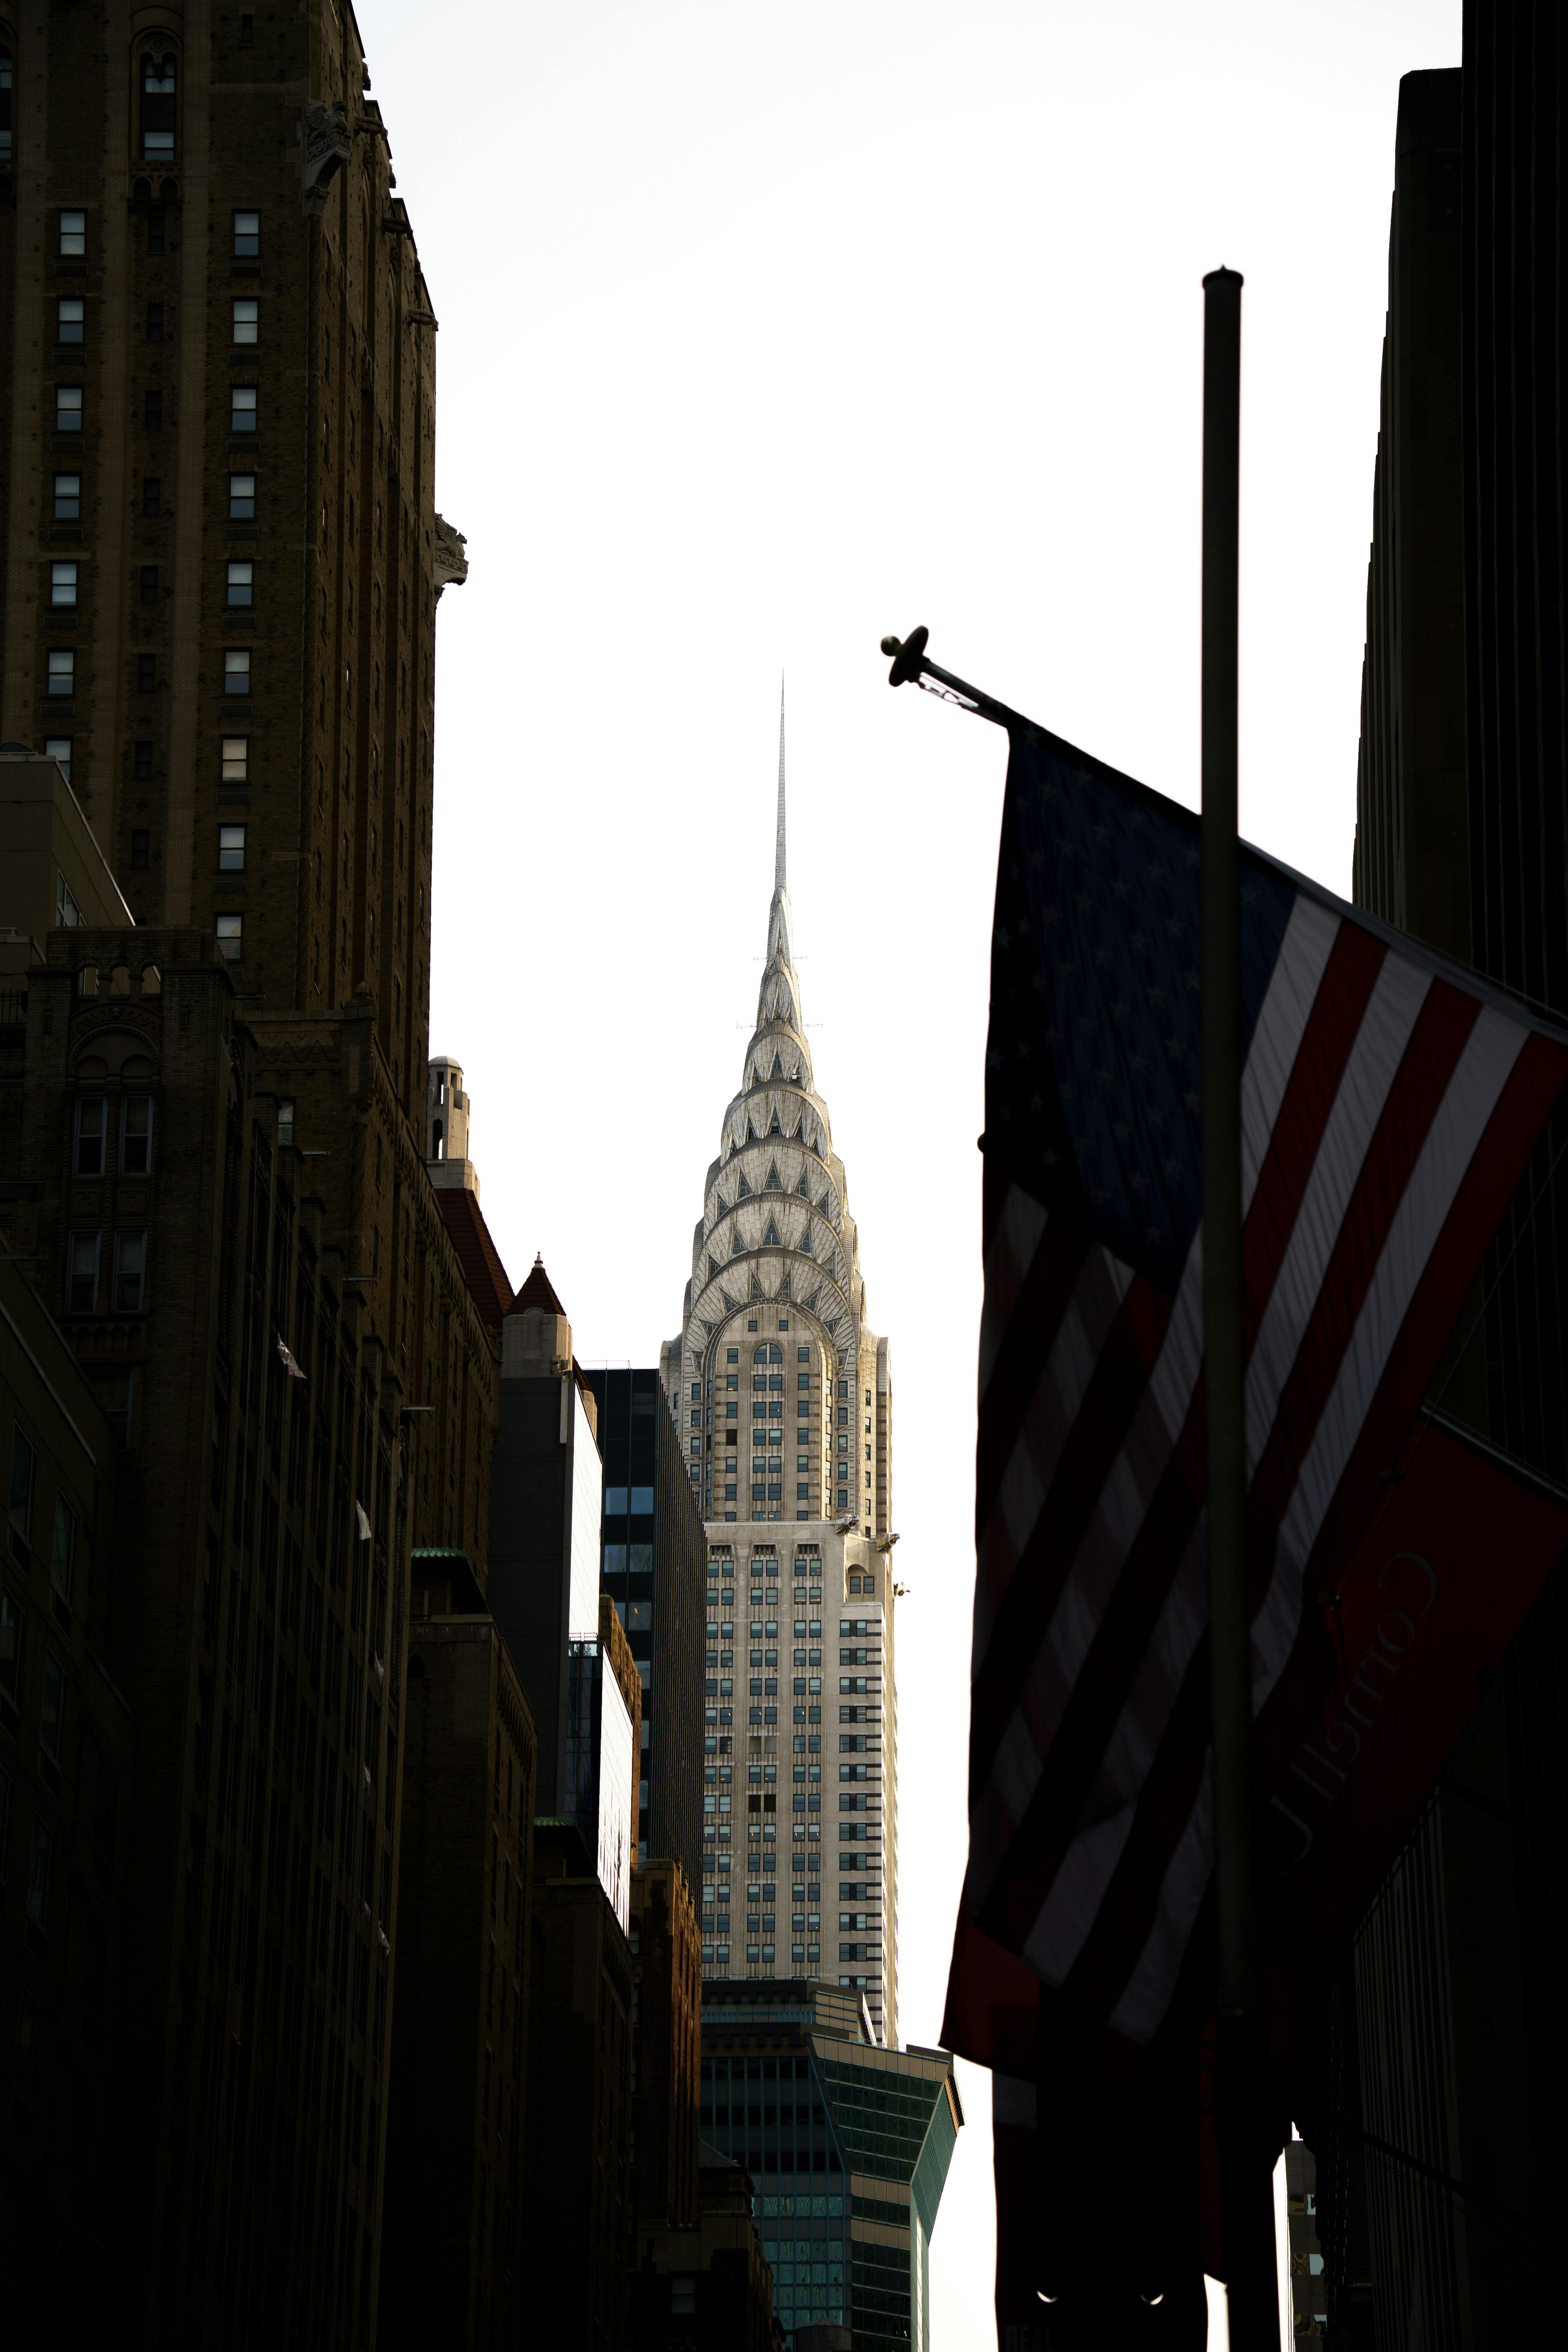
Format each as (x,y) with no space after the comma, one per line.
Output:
(1246,2202)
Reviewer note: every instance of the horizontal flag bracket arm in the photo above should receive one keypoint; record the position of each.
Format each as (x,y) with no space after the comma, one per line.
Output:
(909,662)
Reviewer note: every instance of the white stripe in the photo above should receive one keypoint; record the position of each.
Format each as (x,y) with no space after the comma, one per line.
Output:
(1147,1995)
(1472,1095)
(1101,1284)
(1141,1461)
(1370,1070)
(1292,992)
(1018,1234)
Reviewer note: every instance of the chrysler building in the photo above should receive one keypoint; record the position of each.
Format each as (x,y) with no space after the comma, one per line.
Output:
(783,1394)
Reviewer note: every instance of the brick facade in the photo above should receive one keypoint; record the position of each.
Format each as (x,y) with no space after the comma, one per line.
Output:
(267,1523)
(218,407)
(452,2270)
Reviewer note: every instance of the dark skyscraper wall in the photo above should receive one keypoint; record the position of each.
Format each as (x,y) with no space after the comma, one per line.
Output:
(1444,2051)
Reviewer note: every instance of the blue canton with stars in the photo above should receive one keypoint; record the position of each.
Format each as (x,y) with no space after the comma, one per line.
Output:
(1094,1058)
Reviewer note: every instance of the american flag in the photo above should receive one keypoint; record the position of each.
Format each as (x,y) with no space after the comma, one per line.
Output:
(1389,1104)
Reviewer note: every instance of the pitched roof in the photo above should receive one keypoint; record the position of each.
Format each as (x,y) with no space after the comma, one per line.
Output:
(485,1277)
(537,1291)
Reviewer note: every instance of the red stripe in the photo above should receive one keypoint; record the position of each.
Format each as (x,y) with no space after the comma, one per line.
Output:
(1044,1295)
(1159,1544)
(1338,1009)
(1425,1072)
(1120,1375)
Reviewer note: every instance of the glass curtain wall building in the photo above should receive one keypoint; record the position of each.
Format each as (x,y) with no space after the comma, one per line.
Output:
(653,1555)
(848,2144)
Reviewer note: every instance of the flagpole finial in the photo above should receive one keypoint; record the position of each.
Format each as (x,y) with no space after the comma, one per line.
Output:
(779,837)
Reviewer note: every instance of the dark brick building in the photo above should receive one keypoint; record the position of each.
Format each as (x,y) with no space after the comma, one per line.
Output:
(452,2266)
(704,2286)
(666,1969)
(66,1773)
(577,2171)
(231,1222)
(222,560)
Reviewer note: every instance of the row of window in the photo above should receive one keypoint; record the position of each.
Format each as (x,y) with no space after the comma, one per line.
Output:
(247,233)
(65,581)
(91,1142)
(68,499)
(69,409)
(62,670)
(70,320)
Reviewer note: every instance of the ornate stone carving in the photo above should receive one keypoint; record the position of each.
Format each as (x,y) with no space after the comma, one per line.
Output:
(326,142)
(451,563)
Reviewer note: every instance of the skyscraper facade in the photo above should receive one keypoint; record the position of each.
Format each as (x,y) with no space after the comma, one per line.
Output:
(781,1394)
(222,557)
(1443,2061)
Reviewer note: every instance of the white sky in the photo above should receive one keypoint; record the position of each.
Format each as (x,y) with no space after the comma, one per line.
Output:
(765,330)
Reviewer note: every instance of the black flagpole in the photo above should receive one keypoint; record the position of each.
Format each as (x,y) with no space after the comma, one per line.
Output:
(1246,2198)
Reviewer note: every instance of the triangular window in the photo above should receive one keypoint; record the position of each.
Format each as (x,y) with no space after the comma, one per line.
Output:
(774,1127)
(742,1190)
(712,1268)
(774,1183)
(777,1071)
(803,1188)
(737,1246)
(770,1237)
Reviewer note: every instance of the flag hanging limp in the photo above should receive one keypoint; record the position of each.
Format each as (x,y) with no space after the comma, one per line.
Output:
(1389,1104)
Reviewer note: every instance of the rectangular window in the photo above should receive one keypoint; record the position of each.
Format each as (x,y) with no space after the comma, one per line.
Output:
(242,408)
(157,108)
(40,1868)
(230,936)
(236,759)
(245,308)
(242,498)
(58,748)
(231,849)
(241,583)
(91,1125)
(142,762)
(62,1560)
(153,409)
(23,1478)
(13,1625)
(129,1272)
(62,586)
(141,848)
(146,673)
(247,235)
(155,323)
(68,498)
(52,1718)
(68,408)
(237,671)
(73,236)
(285,1121)
(81,1273)
(70,322)
(152,495)
(136,1133)
(148,583)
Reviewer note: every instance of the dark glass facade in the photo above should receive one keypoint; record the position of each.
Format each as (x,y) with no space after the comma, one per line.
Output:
(654,1557)
(848,2144)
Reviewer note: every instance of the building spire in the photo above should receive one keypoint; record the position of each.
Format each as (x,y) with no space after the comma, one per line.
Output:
(779,841)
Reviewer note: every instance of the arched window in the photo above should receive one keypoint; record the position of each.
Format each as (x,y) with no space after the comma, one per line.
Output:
(157,107)
(767,1355)
(6,76)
